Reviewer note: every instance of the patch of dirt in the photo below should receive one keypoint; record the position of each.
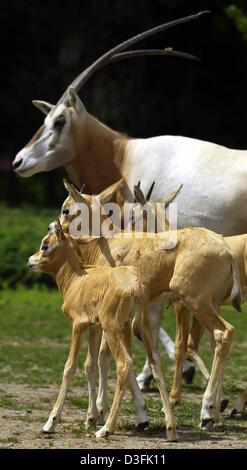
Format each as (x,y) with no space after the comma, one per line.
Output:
(21,427)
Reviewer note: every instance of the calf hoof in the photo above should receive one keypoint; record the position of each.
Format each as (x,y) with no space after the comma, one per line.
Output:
(91,423)
(206,424)
(171,435)
(142,426)
(188,375)
(49,426)
(102,432)
(223,404)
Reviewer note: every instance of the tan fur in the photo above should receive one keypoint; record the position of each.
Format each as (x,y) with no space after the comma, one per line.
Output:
(102,148)
(99,295)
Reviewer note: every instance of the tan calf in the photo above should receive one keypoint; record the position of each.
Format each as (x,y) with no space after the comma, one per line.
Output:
(182,274)
(99,295)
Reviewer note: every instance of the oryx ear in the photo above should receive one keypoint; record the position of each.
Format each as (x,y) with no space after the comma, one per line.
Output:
(73,192)
(139,196)
(106,195)
(75,101)
(170,197)
(43,106)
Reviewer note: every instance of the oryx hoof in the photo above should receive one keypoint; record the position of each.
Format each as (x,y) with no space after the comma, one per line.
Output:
(206,424)
(91,423)
(234,413)
(144,382)
(223,404)
(188,375)
(142,426)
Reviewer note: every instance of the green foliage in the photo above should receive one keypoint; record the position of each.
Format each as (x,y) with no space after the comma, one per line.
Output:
(35,338)
(240,19)
(21,231)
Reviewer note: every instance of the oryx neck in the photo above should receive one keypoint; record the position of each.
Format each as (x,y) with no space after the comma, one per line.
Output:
(92,251)
(99,152)
(67,270)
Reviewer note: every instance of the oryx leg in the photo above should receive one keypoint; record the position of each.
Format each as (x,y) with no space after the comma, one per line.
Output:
(240,404)
(69,371)
(183,320)
(146,375)
(90,367)
(118,344)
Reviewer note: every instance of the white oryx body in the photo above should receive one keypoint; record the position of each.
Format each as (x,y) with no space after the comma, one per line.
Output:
(214,179)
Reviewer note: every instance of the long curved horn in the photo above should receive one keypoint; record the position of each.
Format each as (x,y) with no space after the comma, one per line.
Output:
(168,51)
(81,79)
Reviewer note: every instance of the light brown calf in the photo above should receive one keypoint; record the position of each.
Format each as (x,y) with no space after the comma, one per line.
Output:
(99,295)
(183,275)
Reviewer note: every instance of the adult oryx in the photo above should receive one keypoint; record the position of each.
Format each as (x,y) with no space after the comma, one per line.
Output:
(213,177)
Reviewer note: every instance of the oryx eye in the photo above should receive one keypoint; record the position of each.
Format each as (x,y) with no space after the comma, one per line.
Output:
(66,212)
(59,123)
(44,247)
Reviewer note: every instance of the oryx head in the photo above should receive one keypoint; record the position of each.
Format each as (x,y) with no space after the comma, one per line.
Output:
(53,145)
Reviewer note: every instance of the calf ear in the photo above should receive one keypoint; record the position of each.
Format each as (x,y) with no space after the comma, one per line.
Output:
(108,193)
(75,194)
(43,106)
(139,196)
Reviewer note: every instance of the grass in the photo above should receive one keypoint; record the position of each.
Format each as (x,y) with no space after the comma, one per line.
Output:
(34,343)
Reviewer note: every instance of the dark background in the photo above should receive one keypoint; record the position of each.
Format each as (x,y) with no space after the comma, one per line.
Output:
(45,44)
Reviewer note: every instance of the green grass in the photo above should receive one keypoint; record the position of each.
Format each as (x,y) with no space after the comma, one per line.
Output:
(21,231)
(34,343)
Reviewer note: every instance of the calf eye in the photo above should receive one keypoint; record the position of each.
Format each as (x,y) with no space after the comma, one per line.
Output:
(66,211)
(59,123)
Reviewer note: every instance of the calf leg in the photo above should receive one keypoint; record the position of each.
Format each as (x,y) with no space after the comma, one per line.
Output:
(223,334)
(90,367)
(155,362)
(194,339)
(183,318)
(117,343)
(140,407)
(103,365)
(69,371)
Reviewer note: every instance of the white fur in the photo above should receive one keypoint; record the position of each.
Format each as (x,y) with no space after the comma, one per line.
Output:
(214,179)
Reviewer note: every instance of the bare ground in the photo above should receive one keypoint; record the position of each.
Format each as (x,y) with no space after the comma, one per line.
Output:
(21,424)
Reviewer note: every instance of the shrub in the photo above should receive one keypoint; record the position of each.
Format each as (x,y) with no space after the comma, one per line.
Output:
(21,231)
